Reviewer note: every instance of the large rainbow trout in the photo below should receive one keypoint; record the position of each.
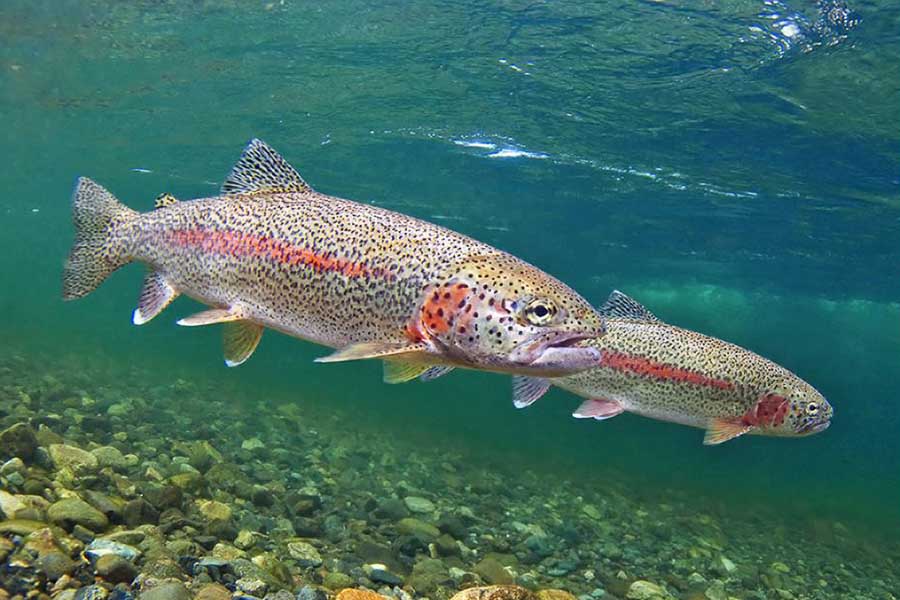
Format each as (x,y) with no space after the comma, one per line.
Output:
(665,372)
(271,252)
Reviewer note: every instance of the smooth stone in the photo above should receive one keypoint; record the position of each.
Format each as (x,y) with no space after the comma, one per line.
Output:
(20,526)
(70,457)
(495,592)
(419,505)
(253,587)
(18,440)
(115,569)
(54,565)
(109,507)
(103,546)
(428,575)
(213,591)
(716,591)
(492,571)
(109,456)
(336,580)
(446,545)
(554,594)
(71,511)
(11,505)
(92,592)
(213,510)
(166,591)
(379,573)
(308,592)
(355,594)
(252,444)
(424,531)
(646,590)
(14,466)
(304,553)
(391,509)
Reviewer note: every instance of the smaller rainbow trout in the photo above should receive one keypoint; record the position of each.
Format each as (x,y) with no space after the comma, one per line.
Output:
(664,372)
(270,252)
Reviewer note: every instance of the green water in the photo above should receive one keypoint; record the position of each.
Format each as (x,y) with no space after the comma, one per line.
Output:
(728,164)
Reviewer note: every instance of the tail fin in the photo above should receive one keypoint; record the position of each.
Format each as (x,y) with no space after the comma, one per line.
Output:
(99,247)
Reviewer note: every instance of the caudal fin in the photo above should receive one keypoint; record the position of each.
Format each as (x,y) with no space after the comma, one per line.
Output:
(99,247)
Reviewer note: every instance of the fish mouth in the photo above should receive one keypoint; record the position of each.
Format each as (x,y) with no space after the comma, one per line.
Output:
(814,428)
(556,353)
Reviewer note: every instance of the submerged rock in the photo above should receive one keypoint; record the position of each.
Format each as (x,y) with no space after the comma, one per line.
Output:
(104,546)
(424,531)
(70,457)
(646,590)
(19,440)
(109,456)
(495,592)
(492,571)
(69,512)
(115,569)
(420,505)
(304,553)
(166,591)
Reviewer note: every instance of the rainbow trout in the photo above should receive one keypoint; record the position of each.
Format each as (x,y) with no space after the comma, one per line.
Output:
(664,372)
(271,252)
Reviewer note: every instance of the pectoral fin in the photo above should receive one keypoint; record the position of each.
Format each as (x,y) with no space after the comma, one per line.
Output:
(409,352)
(722,430)
(598,408)
(527,390)
(211,317)
(398,371)
(434,372)
(240,339)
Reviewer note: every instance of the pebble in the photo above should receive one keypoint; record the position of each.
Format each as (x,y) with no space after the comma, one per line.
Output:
(115,569)
(71,457)
(166,591)
(495,592)
(336,580)
(492,571)
(18,440)
(13,466)
(419,505)
(95,592)
(54,565)
(71,511)
(307,592)
(379,573)
(304,553)
(110,456)
(252,444)
(424,531)
(646,590)
(213,591)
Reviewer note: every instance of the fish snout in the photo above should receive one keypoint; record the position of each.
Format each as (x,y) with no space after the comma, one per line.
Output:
(553,354)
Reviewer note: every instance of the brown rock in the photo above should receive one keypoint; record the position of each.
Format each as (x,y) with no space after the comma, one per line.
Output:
(492,571)
(495,592)
(354,594)
(554,594)
(18,440)
(115,569)
(213,591)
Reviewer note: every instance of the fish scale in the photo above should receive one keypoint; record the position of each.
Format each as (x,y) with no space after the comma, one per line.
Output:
(270,252)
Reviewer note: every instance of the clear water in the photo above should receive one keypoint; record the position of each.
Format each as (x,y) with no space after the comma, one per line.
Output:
(732,165)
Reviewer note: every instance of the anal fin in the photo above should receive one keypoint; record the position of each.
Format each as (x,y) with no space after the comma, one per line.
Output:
(722,430)
(527,390)
(156,295)
(598,408)
(240,339)
(362,350)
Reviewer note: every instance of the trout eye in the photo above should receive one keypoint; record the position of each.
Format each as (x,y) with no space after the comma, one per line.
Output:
(812,408)
(540,312)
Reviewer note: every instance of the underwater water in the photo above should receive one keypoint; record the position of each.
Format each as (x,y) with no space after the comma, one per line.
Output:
(735,166)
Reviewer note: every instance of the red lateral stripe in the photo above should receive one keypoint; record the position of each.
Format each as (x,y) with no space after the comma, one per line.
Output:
(238,244)
(654,370)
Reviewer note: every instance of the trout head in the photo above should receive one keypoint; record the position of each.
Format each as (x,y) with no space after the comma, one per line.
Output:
(497,313)
(792,409)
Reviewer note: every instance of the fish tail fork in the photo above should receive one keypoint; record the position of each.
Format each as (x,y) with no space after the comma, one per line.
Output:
(100,238)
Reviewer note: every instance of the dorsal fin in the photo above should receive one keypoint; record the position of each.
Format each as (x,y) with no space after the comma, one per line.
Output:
(262,170)
(164,200)
(622,305)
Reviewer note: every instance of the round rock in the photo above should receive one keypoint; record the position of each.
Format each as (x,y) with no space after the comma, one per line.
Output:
(166,591)
(419,505)
(69,512)
(115,569)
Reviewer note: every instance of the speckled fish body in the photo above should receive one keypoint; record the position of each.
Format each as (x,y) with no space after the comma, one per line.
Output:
(272,253)
(661,371)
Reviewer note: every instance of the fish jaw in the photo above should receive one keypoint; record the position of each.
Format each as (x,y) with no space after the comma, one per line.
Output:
(555,354)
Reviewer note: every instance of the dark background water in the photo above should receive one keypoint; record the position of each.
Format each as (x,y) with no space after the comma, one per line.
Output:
(731,165)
